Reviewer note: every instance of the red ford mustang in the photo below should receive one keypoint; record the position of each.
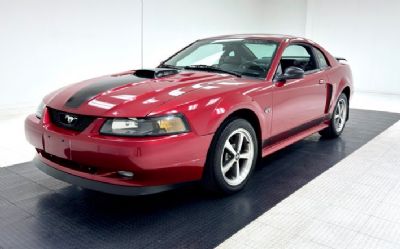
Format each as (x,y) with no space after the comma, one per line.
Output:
(206,113)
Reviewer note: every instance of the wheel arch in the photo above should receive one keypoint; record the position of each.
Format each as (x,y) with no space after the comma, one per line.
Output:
(251,117)
(240,113)
(346,90)
(248,115)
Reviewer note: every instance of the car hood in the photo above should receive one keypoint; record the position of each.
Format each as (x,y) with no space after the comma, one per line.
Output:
(127,95)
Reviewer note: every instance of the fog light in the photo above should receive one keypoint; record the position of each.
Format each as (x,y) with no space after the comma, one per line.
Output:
(125,174)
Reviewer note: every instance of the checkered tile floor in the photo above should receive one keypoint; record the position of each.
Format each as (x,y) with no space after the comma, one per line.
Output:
(355,204)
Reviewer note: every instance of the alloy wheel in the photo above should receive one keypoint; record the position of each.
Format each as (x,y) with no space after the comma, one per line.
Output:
(340,115)
(237,157)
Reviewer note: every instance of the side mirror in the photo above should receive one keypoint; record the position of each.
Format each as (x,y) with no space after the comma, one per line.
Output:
(290,73)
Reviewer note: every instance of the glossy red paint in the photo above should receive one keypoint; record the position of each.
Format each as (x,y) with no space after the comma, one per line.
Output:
(111,154)
(206,99)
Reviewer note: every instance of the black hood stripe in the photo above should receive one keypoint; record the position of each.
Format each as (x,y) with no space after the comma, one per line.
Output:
(100,86)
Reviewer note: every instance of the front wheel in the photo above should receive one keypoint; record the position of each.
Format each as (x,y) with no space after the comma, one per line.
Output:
(231,158)
(339,118)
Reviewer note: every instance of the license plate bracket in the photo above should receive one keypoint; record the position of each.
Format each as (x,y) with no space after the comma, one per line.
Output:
(57,145)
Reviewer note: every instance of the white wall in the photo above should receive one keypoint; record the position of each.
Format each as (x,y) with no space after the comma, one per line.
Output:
(171,25)
(366,32)
(46,44)
(285,17)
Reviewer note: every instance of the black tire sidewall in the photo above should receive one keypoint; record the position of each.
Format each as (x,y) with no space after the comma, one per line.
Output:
(217,150)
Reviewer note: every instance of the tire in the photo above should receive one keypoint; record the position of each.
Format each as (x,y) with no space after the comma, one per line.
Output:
(228,167)
(339,118)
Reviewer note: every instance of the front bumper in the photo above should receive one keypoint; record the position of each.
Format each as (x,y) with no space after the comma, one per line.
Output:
(101,186)
(88,156)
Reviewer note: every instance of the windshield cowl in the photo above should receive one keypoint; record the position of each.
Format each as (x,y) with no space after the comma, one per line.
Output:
(212,68)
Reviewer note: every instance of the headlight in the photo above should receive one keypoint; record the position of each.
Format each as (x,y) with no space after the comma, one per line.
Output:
(40,110)
(154,126)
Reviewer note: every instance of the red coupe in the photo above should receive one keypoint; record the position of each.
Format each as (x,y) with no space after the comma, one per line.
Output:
(205,114)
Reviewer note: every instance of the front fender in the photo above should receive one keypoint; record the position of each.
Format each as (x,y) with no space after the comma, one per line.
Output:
(206,114)
(230,104)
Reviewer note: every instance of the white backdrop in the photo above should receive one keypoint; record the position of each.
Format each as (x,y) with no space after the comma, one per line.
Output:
(366,32)
(172,24)
(46,44)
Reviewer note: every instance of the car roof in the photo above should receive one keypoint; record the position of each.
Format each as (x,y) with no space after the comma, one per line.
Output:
(273,37)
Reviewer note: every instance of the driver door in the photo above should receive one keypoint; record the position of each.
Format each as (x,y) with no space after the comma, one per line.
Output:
(298,104)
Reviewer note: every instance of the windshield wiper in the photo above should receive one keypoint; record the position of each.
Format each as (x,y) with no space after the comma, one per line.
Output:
(169,66)
(212,68)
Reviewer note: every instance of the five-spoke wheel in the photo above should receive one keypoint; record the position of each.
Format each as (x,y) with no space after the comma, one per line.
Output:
(232,156)
(339,118)
(237,157)
(340,115)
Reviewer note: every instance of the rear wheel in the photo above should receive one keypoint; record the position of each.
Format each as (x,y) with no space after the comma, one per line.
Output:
(231,158)
(339,118)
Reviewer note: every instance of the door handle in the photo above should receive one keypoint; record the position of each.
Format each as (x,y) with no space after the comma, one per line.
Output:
(322,81)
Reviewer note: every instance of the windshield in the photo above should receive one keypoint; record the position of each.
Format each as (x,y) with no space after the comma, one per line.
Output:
(241,56)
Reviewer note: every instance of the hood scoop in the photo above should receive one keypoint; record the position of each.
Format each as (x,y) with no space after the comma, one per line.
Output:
(155,73)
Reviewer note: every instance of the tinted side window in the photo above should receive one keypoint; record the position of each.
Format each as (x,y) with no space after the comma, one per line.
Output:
(298,55)
(296,51)
(321,59)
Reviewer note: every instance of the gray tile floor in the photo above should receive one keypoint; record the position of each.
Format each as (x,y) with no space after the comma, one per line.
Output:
(355,204)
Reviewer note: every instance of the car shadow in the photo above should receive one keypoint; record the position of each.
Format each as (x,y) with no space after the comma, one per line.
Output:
(190,210)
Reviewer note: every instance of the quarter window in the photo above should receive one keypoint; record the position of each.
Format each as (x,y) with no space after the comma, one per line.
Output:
(321,59)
